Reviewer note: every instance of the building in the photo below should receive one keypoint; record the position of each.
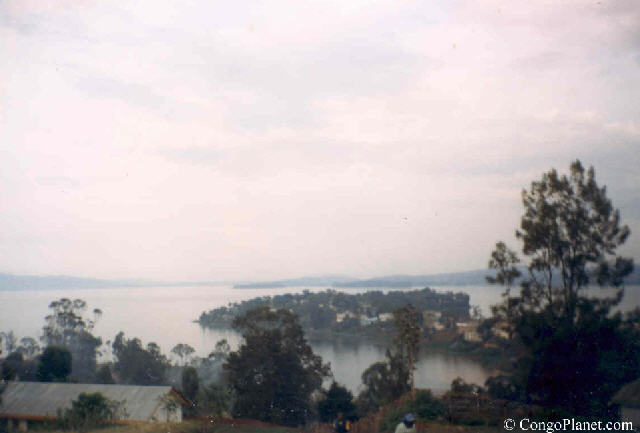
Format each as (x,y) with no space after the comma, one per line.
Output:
(40,401)
(628,398)
(364,321)
(385,317)
(472,336)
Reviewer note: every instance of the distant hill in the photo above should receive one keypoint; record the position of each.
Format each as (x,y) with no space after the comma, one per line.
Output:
(318,281)
(10,282)
(476,277)
(466,278)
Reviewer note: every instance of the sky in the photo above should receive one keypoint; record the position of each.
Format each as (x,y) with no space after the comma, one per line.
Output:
(251,140)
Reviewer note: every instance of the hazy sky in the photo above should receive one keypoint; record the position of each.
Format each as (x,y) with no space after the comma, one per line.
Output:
(257,140)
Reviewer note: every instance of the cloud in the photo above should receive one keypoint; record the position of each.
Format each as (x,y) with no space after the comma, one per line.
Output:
(228,140)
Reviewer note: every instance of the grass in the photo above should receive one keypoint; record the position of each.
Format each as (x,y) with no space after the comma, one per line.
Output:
(191,427)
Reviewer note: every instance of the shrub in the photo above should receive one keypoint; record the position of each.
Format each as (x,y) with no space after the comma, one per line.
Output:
(425,407)
(337,400)
(89,411)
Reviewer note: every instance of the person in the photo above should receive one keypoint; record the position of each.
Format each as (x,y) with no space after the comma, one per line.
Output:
(341,425)
(407,425)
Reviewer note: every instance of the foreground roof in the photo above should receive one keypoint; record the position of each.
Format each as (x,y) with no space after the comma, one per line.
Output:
(629,395)
(41,400)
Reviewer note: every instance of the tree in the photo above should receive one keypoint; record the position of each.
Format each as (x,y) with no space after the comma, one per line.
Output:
(570,229)
(184,351)
(66,326)
(16,367)
(337,399)
(137,365)
(12,365)
(274,372)
(103,375)
(89,411)
(388,380)
(54,364)
(407,321)
(9,340)
(460,386)
(29,347)
(504,261)
(384,382)
(578,353)
(214,400)
(190,382)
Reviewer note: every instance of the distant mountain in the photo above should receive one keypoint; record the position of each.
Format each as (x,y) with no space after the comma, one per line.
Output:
(466,278)
(476,277)
(10,282)
(318,281)
(391,281)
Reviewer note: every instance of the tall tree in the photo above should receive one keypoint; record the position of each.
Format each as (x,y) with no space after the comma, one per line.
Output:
(579,353)
(29,347)
(66,326)
(504,261)
(139,366)
(190,382)
(407,321)
(274,372)
(9,339)
(384,382)
(184,351)
(570,232)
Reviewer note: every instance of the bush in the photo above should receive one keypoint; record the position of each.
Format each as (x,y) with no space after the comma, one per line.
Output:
(425,407)
(89,411)
(337,400)
(214,400)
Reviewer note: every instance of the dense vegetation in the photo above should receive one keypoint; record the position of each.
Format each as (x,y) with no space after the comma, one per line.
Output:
(321,310)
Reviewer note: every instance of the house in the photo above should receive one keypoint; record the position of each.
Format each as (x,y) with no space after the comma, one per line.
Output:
(364,321)
(472,336)
(385,317)
(628,398)
(41,401)
(431,316)
(502,330)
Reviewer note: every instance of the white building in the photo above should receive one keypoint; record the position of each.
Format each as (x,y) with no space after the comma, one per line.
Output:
(40,401)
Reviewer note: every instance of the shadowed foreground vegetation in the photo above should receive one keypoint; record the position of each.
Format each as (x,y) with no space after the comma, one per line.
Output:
(195,426)
(246,426)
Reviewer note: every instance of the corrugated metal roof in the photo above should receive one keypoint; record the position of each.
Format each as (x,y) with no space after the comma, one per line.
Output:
(45,398)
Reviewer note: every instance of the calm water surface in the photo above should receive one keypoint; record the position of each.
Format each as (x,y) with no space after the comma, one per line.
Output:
(165,315)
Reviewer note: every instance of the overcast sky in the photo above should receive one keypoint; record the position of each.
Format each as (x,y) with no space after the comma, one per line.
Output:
(186,140)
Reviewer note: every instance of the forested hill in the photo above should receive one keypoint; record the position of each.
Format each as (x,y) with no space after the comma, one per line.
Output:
(332,309)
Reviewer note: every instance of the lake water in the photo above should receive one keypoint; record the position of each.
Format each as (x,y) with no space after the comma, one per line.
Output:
(165,315)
